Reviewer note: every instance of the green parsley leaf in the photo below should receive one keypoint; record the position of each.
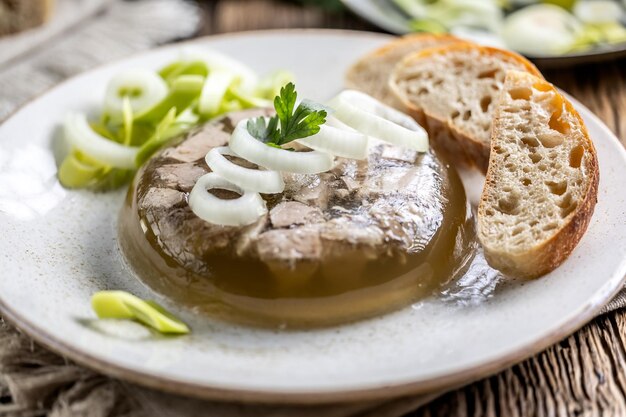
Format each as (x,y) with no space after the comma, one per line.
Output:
(262,131)
(288,124)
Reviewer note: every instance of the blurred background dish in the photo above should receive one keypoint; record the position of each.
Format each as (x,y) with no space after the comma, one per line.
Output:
(551,33)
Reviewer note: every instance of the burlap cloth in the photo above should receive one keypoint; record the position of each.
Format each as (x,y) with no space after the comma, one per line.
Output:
(36,382)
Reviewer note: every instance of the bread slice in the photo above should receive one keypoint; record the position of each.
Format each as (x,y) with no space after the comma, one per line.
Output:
(370,74)
(542,182)
(451,90)
(18,15)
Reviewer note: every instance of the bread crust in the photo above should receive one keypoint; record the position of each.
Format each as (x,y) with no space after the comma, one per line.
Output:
(458,145)
(412,38)
(462,148)
(550,253)
(369,66)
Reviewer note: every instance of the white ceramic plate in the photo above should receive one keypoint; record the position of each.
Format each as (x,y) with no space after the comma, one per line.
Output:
(386,15)
(58,247)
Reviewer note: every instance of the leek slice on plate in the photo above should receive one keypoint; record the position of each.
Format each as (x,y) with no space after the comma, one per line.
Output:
(184,90)
(214,90)
(123,305)
(83,138)
(80,171)
(270,85)
(142,89)
(143,110)
(165,130)
(174,70)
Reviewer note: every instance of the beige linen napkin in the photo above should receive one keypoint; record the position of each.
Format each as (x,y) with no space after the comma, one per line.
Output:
(35,382)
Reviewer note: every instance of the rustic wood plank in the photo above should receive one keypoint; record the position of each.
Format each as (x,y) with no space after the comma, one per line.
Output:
(241,15)
(583,375)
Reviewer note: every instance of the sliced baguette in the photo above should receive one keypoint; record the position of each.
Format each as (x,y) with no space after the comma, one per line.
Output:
(542,182)
(451,90)
(370,74)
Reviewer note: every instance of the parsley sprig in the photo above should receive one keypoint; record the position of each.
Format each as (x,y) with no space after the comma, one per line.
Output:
(288,125)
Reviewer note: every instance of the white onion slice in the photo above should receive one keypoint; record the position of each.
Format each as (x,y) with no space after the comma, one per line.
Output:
(82,137)
(217,60)
(214,90)
(246,146)
(237,212)
(373,118)
(267,182)
(598,11)
(143,88)
(339,140)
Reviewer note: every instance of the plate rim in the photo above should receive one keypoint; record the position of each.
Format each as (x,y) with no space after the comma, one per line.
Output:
(211,392)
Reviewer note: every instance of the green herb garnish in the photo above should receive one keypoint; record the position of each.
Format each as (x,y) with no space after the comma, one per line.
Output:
(288,125)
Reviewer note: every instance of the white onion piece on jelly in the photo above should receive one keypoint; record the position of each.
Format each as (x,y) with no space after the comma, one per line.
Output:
(143,88)
(373,118)
(338,140)
(214,90)
(267,182)
(248,147)
(217,60)
(82,137)
(236,212)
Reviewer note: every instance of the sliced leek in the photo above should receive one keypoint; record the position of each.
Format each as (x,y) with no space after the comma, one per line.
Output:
(143,110)
(185,89)
(217,60)
(178,68)
(127,116)
(270,85)
(214,90)
(236,212)
(246,146)
(267,182)
(142,88)
(366,114)
(123,305)
(80,135)
(161,136)
(74,173)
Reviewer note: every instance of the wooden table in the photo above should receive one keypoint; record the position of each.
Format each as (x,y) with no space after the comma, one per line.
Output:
(584,374)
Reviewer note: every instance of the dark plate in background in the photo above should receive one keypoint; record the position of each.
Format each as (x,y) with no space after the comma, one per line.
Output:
(384,14)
